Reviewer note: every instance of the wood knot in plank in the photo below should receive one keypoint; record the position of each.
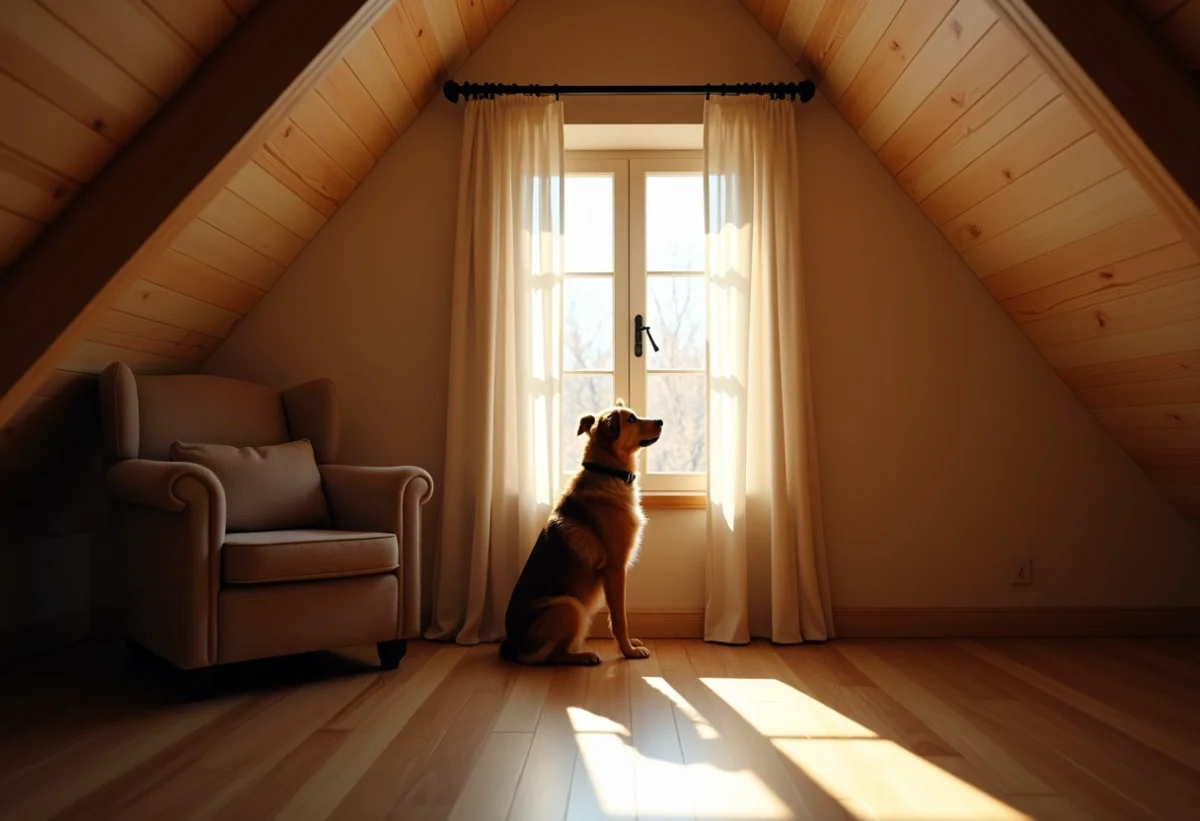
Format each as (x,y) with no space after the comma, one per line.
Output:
(959,99)
(1106,274)
(956,27)
(1008,175)
(97,124)
(973,229)
(1175,417)
(895,46)
(1101,319)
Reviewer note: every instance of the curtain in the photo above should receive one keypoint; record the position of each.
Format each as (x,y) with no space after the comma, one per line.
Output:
(502,433)
(766,569)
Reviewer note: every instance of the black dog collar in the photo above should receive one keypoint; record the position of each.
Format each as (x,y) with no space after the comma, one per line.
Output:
(624,475)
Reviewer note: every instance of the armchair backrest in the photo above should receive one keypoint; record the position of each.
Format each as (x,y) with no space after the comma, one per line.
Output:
(143,414)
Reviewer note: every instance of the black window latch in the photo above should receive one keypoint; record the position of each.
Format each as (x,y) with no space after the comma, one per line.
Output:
(638,328)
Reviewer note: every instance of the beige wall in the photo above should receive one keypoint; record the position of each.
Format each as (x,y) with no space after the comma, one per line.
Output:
(947,445)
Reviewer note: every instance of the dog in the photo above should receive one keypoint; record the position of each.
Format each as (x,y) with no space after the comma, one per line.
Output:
(585,550)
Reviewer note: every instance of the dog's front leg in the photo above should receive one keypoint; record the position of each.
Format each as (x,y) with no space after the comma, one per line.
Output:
(614,593)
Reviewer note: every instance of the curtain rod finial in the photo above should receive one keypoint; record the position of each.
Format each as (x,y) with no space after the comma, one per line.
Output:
(451,89)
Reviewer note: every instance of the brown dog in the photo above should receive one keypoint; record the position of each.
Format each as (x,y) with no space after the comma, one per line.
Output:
(587,546)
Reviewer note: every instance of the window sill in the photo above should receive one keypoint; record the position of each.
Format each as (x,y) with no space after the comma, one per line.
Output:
(674,501)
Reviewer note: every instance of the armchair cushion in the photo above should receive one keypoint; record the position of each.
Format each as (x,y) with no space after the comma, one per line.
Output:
(275,487)
(304,555)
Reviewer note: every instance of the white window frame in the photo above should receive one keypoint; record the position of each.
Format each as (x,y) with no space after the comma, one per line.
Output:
(628,171)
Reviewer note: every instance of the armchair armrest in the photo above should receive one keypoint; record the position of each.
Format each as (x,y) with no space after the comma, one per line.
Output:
(169,486)
(385,500)
(170,520)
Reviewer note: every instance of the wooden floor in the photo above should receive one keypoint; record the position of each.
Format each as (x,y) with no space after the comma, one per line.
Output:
(889,730)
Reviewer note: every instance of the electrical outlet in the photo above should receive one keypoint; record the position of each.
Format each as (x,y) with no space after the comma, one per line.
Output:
(1021,571)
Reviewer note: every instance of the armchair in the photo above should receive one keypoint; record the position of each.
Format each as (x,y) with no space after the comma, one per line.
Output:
(317,556)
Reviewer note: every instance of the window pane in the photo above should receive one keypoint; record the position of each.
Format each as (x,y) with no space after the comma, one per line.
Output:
(581,395)
(675,314)
(588,323)
(678,400)
(589,225)
(674,223)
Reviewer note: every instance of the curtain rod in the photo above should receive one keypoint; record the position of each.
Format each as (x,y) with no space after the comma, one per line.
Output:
(804,89)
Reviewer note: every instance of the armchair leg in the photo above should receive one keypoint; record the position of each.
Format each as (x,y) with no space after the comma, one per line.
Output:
(390,653)
(198,683)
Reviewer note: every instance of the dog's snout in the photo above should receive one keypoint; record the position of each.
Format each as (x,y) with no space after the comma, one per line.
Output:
(658,422)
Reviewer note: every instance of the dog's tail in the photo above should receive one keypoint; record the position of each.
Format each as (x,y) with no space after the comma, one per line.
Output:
(508,650)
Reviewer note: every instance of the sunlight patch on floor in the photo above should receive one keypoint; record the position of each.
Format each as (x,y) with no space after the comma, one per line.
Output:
(776,709)
(655,785)
(703,728)
(872,777)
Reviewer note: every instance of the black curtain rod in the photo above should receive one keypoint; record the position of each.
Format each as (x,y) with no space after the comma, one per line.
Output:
(804,90)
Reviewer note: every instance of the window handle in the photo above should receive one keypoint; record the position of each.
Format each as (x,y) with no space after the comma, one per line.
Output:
(638,328)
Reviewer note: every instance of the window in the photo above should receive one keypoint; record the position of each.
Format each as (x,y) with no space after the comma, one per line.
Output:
(634,247)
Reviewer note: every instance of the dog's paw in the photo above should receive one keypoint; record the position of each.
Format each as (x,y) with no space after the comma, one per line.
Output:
(590,658)
(638,653)
(636,642)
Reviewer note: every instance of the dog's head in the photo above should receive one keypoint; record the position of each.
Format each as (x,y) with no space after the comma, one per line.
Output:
(619,432)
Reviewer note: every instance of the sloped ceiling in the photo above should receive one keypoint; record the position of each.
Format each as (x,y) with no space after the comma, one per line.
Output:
(985,143)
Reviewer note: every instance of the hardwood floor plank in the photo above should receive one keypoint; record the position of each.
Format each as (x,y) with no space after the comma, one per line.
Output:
(1003,729)
(326,788)
(432,796)
(489,790)
(1182,750)
(399,765)
(1064,776)
(659,776)
(958,731)
(543,790)
(524,706)
(90,766)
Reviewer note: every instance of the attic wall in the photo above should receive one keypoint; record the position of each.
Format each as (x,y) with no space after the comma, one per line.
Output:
(947,444)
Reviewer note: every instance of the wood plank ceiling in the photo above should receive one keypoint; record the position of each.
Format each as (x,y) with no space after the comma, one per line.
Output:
(985,143)
(1013,174)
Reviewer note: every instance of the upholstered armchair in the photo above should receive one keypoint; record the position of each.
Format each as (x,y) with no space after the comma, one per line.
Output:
(237,537)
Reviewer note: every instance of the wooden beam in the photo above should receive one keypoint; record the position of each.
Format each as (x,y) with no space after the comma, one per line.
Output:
(125,219)
(1135,92)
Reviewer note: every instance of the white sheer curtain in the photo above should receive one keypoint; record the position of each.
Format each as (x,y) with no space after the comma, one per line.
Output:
(504,396)
(766,569)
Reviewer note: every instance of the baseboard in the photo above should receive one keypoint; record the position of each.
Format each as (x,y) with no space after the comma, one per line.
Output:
(654,624)
(997,622)
(43,636)
(947,622)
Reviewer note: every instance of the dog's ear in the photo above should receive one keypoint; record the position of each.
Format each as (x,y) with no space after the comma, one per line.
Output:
(585,423)
(610,425)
